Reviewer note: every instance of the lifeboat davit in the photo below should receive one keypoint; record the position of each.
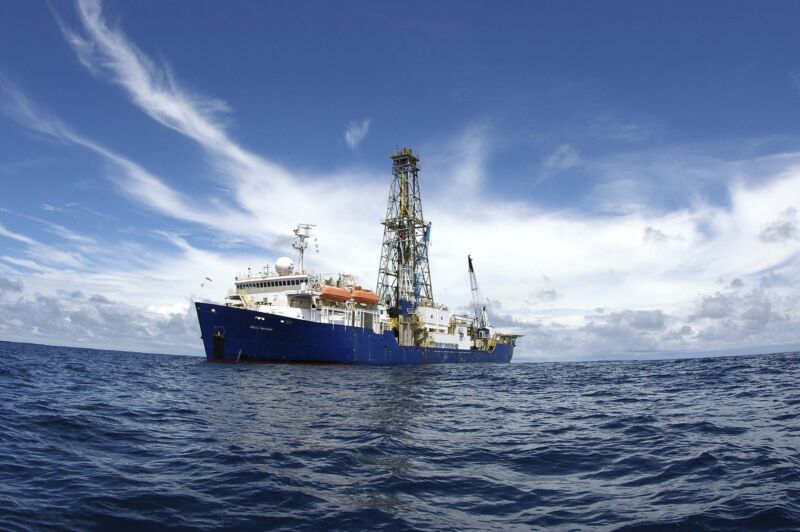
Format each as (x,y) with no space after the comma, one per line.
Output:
(365,297)
(331,293)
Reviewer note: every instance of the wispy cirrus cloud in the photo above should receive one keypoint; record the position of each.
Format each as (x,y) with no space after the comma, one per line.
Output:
(250,177)
(131,178)
(355,132)
(47,254)
(564,157)
(625,261)
(613,127)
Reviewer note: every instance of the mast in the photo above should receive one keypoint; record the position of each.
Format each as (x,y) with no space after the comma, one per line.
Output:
(302,232)
(404,278)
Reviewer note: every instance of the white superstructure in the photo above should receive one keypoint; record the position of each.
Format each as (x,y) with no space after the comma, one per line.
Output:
(338,299)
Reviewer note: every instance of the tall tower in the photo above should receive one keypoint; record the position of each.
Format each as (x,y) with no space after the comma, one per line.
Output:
(404,276)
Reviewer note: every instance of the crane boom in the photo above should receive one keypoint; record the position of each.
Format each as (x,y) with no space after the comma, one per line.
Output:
(478,307)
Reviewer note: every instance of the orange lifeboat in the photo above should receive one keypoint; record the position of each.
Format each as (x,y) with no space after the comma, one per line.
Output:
(331,293)
(365,297)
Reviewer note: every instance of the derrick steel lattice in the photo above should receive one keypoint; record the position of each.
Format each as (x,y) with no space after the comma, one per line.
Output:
(404,277)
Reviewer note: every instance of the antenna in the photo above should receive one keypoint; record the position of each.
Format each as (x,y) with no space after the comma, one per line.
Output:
(301,233)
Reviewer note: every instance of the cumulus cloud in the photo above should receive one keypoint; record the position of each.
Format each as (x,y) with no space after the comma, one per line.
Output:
(71,318)
(548,295)
(724,321)
(772,279)
(650,292)
(734,316)
(784,228)
(10,285)
(355,133)
(715,307)
(654,235)
(638,319)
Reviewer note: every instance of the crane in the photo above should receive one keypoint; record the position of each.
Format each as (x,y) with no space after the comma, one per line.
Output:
(478,306)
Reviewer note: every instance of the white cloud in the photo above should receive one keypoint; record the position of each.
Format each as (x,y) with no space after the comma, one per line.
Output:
(355,133)
(10,285)
(563,158)
(15,236)
(654,235)
(250,177)
(784,228)
(455,171)
(656,298)
(71,318)
(610,126)
(44,253)
(715,307)
(548,295)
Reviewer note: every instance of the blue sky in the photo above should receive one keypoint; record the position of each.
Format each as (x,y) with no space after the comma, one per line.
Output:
(624,173)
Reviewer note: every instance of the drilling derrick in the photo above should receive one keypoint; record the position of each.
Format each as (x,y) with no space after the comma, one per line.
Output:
(404,278)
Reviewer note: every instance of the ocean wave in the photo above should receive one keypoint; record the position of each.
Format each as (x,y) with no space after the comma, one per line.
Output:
(96,439)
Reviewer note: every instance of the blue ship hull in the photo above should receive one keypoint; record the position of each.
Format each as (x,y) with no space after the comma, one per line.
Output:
(238,335)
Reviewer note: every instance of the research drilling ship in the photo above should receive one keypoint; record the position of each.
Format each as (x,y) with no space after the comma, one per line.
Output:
(288,313)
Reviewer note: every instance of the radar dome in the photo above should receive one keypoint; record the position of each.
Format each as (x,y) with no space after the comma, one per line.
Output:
(284,266)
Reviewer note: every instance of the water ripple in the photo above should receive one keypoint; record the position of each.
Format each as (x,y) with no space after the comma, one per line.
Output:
(99,439)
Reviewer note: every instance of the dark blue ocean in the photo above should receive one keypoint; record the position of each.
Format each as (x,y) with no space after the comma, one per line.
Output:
(109,440)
